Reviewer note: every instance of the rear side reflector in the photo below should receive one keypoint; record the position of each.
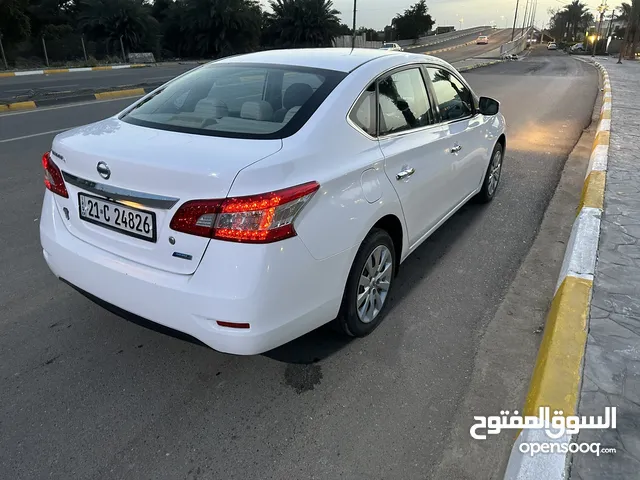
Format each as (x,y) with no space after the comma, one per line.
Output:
(53,177)
(263,218)
(233,325)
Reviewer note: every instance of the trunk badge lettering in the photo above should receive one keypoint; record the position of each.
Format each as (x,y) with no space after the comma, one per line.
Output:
(183,256)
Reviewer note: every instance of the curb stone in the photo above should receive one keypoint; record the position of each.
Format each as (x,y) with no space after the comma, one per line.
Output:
(50,71)
(479,65)
(557,375)
(48,102)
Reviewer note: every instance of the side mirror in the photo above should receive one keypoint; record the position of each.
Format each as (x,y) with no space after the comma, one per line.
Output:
(489,106)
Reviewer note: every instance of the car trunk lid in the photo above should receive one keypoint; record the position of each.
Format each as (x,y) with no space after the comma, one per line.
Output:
(149,172)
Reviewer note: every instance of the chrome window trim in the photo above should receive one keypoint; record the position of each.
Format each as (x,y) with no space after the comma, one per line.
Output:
(405,132)
(114,193)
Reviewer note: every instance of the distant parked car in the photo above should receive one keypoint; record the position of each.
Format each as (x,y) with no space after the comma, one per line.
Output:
(482,40)
(552,46)
(394,47)
(578,47)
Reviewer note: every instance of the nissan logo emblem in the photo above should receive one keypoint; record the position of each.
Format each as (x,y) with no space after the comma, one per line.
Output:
(104,170)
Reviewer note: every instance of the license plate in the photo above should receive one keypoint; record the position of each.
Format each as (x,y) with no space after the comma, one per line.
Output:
(130,221)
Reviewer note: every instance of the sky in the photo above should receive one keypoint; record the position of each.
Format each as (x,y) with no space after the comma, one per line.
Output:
(378,13)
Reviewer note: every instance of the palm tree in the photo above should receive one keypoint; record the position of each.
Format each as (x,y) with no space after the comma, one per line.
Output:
(633,29)
(112,19)
(302,23)
(577,14)
(630,14)
(221,27)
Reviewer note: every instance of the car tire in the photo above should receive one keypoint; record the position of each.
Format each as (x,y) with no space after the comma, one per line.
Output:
(492,176)
(376,259)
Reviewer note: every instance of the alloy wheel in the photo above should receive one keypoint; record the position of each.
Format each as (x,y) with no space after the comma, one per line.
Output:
(374,284)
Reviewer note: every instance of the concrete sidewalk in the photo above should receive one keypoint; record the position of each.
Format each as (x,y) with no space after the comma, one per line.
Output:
(611,373)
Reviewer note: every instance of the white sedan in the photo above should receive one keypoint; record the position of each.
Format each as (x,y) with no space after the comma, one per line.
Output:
(394,47)
(253,199)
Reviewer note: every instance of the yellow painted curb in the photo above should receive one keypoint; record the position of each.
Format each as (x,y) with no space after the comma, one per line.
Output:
(556,377)
(593,190)
(18,106)
(56,70)
(7,74)
(120,93)
(602,138)
(605,115)
(100,68)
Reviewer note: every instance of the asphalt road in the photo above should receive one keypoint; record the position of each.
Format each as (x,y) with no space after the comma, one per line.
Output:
(63,82)
(496,39)
(20,88)
(88,395)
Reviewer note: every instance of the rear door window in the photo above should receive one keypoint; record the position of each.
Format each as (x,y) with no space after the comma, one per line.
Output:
(403,102)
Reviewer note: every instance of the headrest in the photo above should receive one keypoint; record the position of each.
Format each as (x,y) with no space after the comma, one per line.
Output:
(296,95)
(261,110)
(213,107)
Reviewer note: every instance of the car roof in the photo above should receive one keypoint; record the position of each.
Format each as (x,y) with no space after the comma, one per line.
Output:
(340,59)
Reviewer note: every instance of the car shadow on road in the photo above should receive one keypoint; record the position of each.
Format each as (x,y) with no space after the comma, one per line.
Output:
(324,342)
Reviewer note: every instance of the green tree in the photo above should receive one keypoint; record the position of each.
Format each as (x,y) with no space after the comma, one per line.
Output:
(414,22)
(370,34)
(302,23)
(221,27)
(15,25)
(109,20)
(633,29)
(344,29)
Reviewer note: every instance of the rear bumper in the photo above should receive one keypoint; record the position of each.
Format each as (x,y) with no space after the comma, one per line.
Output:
(278,288)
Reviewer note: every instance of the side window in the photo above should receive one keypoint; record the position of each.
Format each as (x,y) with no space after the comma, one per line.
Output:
(403,102)
(363,112)
(454,99)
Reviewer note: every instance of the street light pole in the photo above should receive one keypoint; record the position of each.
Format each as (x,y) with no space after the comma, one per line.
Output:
(524,20)
(353,36)
(515,19)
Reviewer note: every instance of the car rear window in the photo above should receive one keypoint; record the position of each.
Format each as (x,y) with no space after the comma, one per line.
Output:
(237,100)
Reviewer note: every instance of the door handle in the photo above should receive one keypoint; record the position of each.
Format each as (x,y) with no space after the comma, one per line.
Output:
(406,173)
(456,149)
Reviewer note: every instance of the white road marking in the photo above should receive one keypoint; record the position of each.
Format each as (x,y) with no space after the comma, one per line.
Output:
(60,86)
(34,135)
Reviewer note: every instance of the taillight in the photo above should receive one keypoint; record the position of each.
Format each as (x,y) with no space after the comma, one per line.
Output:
(53,177)
(263,218)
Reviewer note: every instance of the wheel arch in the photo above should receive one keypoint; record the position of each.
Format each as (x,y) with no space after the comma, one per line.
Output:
(502,140)
(393,226)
